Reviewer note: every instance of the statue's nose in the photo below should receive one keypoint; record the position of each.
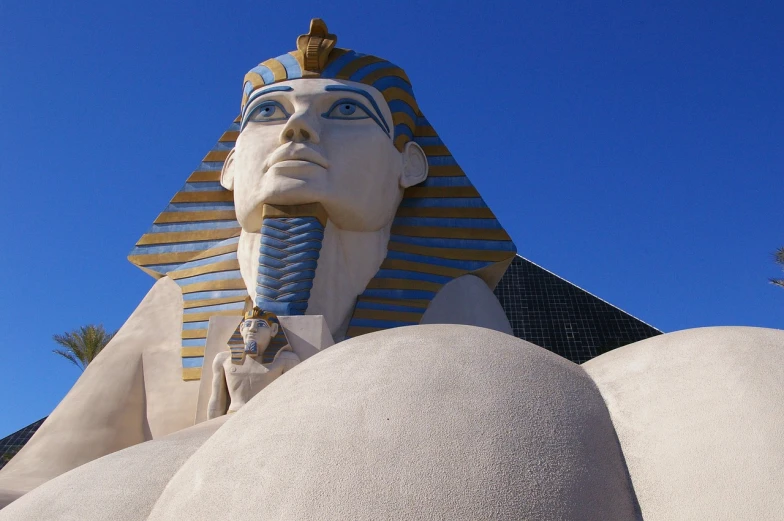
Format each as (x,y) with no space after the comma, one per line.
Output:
(299,129)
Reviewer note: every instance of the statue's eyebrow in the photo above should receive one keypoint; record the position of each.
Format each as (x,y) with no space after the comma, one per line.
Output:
(364,93)
(261,92)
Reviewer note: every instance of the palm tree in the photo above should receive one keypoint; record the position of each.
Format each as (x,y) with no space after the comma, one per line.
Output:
(779,258)
(82,345)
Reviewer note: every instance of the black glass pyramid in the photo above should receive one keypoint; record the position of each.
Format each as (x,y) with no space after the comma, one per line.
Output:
(553,313)
(13,443)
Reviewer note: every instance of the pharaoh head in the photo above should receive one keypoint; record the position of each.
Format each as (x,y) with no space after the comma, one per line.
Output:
(257,329)
(327,137)
(333,129)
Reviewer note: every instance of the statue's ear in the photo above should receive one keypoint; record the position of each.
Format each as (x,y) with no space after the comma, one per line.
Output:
(273,329)
(227,172)
(414,165)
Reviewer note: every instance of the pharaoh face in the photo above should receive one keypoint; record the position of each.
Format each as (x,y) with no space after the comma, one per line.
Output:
(326,141)
(257,334)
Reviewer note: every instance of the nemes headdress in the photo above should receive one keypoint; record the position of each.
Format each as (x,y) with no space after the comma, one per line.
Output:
(257,313)
(442,229)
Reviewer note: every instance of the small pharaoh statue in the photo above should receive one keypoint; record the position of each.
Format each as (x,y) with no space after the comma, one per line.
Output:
(238,374)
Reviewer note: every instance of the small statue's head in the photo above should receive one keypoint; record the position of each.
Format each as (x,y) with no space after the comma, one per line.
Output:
(257,329)
(339,134)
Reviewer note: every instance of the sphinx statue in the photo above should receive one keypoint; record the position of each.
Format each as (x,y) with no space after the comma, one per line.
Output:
(330,196)
(331,212)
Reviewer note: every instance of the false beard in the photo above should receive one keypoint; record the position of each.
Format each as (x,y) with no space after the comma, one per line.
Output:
(251,347)
(288,255)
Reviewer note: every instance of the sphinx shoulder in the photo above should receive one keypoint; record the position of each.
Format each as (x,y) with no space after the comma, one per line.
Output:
(469,301)
(286,355)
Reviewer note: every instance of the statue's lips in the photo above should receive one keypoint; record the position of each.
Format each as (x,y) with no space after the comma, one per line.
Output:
(295,156)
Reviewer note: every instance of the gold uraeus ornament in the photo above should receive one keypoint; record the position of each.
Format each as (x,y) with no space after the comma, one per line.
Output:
(316,46)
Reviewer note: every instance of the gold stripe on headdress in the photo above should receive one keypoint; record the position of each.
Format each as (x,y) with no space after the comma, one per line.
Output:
(277,68)
(353,66)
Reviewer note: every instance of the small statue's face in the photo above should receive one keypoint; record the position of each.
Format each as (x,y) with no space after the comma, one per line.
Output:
(257,335)
(327,141)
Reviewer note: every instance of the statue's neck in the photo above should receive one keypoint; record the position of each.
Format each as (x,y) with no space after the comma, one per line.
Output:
(347,262)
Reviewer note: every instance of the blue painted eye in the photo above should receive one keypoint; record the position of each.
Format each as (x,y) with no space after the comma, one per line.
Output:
(347,109)
(261,323)
(265,112)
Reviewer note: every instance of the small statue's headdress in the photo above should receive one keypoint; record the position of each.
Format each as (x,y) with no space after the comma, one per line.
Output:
(259,314)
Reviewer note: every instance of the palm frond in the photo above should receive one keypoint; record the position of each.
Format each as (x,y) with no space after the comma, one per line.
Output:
(778,256)
(69,356)
(82,345)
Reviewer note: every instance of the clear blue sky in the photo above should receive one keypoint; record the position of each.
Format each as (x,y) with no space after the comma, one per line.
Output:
(633,148)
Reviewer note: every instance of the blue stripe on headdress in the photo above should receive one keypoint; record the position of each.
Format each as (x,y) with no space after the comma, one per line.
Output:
(448,222)
(468,265)
(446,181)
(398,105)
(195,361)
(393,81)
(401,128)
(331,70)
(412,275)
(265,73)
(293,70)
(429,141)
(443,202)
(381,324)
(367,69)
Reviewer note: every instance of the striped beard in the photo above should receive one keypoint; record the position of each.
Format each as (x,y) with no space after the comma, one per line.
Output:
(251,347)
(288,256)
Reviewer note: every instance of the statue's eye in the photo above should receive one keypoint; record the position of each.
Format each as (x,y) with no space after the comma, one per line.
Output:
(248,323)
(267,111)
(347,109)
(261,323)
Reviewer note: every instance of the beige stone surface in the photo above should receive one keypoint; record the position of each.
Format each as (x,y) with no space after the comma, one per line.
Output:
(700,417)
(467,300)
(307,334)
(130,393)
(122,486)
(9,496)
(170,401)
(422,422)
(459,422)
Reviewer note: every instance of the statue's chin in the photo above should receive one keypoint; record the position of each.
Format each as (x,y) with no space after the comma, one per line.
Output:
(285,191)
(299,183)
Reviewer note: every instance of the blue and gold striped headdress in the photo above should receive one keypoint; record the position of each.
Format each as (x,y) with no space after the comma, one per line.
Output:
(442,230)
(256,313)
